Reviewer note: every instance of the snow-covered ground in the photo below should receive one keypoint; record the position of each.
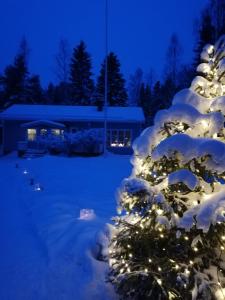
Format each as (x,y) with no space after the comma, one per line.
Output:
(46,251)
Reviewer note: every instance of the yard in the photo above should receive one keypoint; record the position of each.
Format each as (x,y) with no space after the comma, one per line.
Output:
(46,249)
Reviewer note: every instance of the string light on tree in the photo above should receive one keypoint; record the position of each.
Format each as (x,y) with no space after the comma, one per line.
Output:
(172,234)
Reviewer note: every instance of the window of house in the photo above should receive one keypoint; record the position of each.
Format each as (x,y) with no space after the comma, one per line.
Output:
(43,132)
(56,131)
(31,134)
(119,138)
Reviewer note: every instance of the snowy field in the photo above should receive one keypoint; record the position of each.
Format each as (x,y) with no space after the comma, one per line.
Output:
(46,251)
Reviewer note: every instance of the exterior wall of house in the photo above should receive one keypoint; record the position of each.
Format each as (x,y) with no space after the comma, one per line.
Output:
(13,132)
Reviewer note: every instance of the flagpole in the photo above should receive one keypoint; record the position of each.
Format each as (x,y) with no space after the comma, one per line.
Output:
(106,77)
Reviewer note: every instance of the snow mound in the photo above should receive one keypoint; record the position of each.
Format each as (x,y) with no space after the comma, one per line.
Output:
(187,114)
(219,104)
(211,211)
(188,148)
(188,96)
(143,144)
(185,176)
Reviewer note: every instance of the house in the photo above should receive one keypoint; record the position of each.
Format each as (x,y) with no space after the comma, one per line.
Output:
(25,123)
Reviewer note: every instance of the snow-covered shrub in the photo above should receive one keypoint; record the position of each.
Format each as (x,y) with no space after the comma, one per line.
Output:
(169,242)
(54,144)
(85,142)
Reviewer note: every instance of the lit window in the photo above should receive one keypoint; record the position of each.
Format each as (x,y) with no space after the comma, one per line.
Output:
(43,132)
(31,134)
(57,131)
(119,138)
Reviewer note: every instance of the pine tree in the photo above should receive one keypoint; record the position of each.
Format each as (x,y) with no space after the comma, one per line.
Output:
(169,242)
(157,102)
(145,100)
(14,79)
(117,94)
(34,91)
(205,35)
(80,76)
(134,88)
(217,12)
(173,56)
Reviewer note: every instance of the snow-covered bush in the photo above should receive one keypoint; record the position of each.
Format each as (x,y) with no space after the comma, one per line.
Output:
(169,242)
(85,141)
(54,144)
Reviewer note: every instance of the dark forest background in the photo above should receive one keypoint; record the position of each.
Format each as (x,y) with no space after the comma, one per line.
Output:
(77,85)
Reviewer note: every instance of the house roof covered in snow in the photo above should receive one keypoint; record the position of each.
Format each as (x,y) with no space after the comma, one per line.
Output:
(71,113)
(42,123)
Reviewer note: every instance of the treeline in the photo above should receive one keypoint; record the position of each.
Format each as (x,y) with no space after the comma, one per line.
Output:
(77,86)
(153,94)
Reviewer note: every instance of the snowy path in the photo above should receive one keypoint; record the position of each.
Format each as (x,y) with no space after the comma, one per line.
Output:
(46,251)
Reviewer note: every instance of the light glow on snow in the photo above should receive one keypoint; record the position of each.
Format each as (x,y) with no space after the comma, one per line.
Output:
(87,214)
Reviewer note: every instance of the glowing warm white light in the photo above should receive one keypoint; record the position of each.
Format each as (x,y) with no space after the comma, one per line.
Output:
(37,187)
(159,269)
(159,211)
(204,123)
(87,214)
(195,249)
(186,238)
(159,281)
(187,271)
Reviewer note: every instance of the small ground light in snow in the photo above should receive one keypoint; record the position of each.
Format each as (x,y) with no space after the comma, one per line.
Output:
(37,187)
(87,214)
(25,172)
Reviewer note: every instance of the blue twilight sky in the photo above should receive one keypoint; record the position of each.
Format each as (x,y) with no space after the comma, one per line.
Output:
(139,30)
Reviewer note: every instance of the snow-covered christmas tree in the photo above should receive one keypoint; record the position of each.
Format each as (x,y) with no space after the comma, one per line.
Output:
(169,240)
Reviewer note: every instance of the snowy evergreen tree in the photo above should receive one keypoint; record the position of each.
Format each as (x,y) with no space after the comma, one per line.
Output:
(81,76)
(117,94)
(169,242)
